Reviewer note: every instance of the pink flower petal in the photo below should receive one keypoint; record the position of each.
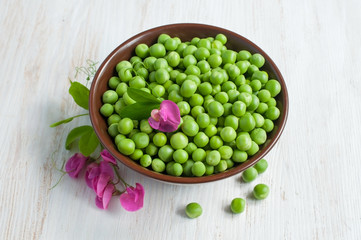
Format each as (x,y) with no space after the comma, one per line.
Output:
(108,157)
(106,168)
(108,193)
(92,172)
(103,181)
(75,164)
(153,123)
(132,200)
(103,202)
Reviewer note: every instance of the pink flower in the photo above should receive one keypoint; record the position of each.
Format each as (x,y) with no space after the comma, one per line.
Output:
(166,118)
(75,164)
(108,157)
(97,176)
(132,200)
(103,201)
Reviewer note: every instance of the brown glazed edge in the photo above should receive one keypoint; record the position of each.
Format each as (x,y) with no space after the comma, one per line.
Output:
(150,36)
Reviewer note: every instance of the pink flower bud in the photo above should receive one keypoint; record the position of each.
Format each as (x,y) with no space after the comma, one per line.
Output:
(75,164)
(108,157)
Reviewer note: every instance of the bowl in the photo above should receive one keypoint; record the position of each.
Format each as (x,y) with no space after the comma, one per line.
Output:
(185,31)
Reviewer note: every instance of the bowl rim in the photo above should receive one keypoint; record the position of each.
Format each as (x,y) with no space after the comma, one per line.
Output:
(190,180)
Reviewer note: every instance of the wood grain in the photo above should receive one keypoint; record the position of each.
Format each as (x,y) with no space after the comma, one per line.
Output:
(313,173)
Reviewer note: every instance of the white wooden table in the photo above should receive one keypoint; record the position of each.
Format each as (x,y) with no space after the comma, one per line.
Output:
(314,168)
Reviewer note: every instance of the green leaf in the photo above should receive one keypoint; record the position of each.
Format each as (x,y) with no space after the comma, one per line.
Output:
(88,143)
(76,133)
(80,94)
(138,111)
(141,96)
(67,120)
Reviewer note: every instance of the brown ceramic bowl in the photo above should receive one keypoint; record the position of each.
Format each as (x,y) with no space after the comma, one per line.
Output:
(185,32)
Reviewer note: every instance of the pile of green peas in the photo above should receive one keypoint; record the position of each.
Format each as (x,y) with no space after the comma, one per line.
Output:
(226,101)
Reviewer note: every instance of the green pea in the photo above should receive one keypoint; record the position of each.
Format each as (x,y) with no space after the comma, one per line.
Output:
(125,126)
(257,59)
(209,169)
(145,160)
(114,118)
(190,127)
(136,155)
(198,169)
(202,53)
(261,166)
(214,60)
(157,50)
(222,38)
(215,142)
(145,127)
(274,87)
(142,50)
(259,119)
(193,210)
(238,205)
(244,141)
(213,158)
(179,140)
(113,129)
(110,96)
(210,130)
(123,64)
(249,174)
(221,166)
(187,168)
(188,88)
(253,150)
(268,125)
(226,152)
(239,108)
(151,149)
(184,108)
(118,138)
(222,97)
(203,120)
(229,56)
(272,113)
(259,135)
(190,148)
(243,55)
(231,121)
(215,109)
(201,139)
(260,191)
(159,139)
(247,122)
(196,100)
(239,156)
(180,156)
(126,146)
(199,155)
(262,108)
(228,134)
(171,44)
(158,165)
(165,153)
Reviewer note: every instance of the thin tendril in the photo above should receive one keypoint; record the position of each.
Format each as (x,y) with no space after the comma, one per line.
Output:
(120,178)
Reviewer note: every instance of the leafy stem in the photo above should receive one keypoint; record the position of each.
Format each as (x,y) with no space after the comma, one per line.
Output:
(67,120)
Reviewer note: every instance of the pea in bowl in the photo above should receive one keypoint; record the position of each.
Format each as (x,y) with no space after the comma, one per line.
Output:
(231,97)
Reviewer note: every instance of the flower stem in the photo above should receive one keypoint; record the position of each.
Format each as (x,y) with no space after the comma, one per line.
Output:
(119,177)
